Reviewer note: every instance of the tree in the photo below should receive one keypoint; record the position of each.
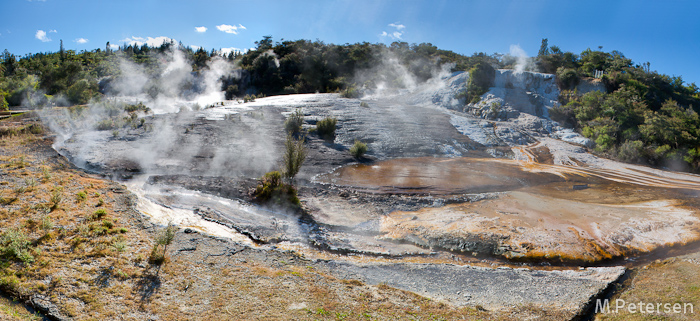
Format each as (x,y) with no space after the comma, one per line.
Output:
(3,102)
(163,239)
(264,44)
(9,63)
(544,48)
(293,123)
(62,51)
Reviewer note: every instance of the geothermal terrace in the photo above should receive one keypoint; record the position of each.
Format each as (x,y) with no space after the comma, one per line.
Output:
(495,212)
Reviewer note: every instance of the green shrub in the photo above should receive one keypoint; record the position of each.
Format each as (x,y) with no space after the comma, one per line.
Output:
(294,156)
(14,243)
(293,123)
(80,92)
(481,78)
(163,239)
(358,149)
(99,214)
(80,196)
(231,92)
(119,245)
(106,124)
(350,92)
(3,102)
(108,224)
(631,151)
(271,190)
(326,128)
(56,198)
(567,78)
(46,223)
(138,107)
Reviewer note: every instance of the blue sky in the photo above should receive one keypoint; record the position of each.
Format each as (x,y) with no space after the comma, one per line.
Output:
(665,33)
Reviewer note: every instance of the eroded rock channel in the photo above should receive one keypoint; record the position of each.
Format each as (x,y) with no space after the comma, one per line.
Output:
(446,204)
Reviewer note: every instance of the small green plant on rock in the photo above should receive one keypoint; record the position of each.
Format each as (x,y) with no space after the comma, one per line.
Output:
(293,123)
(271,190)
(358,149)
(99,214)
(14,244)
(326,128)
(56,198)
(350,92)
(80,197)
(294,156)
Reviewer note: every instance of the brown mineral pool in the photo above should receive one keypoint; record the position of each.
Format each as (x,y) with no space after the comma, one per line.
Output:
(437,176)
(544,211)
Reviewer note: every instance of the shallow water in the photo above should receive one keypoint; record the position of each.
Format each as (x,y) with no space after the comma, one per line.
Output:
(544,211)
(437,176)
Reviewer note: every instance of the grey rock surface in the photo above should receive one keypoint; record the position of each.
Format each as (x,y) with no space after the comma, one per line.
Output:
(493,289)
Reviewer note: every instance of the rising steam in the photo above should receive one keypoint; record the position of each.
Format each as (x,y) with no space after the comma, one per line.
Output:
(172,142)
(522,61)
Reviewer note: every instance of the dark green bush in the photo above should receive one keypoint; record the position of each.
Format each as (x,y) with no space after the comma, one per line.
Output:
(631,151)
(293,123)
(14,244)
(350,92)
(99,214)
(567,78)
(231,92)
(326,128)
(481,78)
(358,149)
(106,124)
(137,107)
(294,156)
(271,190)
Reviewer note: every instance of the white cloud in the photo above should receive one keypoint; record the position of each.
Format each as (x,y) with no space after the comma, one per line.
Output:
(150,41)
(230,28)
(41,35)
(397,26)
(81,40)
(226,51)
(195,48)
(200,29)
(53,31)
(113,46)
(396,35)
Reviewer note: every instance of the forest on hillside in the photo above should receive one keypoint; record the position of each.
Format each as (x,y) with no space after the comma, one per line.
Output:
(643,116)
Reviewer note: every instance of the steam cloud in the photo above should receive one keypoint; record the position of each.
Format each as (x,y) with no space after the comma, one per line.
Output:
(390,76)
(521,58)
(173,143)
